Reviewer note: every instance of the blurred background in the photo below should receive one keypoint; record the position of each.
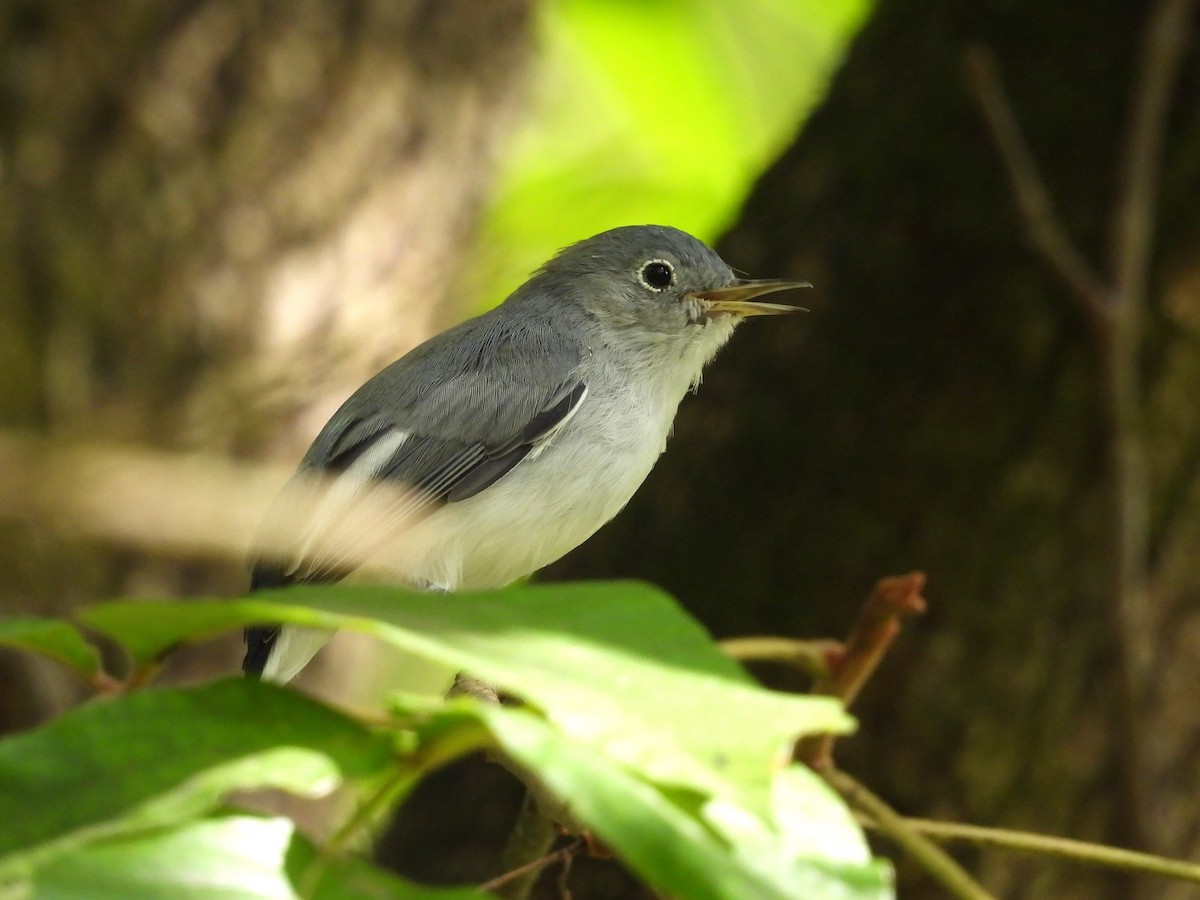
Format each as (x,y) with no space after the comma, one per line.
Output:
(217,218)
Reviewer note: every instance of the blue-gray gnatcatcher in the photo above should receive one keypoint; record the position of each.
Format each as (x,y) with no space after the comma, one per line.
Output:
(505,442)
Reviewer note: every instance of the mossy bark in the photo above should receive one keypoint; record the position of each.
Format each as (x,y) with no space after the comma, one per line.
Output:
(217,219)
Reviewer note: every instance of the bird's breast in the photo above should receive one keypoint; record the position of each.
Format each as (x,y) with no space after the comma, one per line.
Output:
(551,502)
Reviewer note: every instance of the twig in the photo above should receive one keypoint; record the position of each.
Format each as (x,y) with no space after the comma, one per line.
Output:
(811,657)
(1046,232)
(1082,852)
(892,825)
(143,675)
(105,684)
(534,830)
(1116,313)
(530,839)
(1159,65)
(893,598)
(877,625)
(368,811)
(1164,41)
(564,878)
(1135,616)
(560,855)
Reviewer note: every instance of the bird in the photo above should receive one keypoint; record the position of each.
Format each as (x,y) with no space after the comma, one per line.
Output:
(497,446)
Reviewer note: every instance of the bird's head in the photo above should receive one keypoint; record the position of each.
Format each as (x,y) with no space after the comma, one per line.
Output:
(657,281)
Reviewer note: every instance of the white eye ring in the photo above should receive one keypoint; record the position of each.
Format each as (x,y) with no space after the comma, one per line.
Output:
(651,275)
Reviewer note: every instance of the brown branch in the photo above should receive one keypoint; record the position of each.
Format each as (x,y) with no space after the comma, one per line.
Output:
(1163,44)
(563,882)
(930,857)
(1116,313)
(105,684)
(1134,615)
(811,657)
(1045,230)
(878,623)
(526,852)
(877,626)
(563,855)
(1159,65)
(535,828)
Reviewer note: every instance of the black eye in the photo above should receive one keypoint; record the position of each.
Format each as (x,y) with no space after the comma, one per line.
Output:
(657,275)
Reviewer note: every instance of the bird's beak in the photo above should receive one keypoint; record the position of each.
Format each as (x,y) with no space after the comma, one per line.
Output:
(737,299)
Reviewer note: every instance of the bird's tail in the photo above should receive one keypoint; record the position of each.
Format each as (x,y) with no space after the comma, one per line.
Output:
(261,639)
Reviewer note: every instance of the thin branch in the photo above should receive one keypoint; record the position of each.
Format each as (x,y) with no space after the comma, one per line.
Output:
(811,657)
(534,830)
(143,675)
(930,857)
(545,802)
(563,882)
(877,626)
(1116,313)
(563,855)
(1165,39)
(1135,616)
(368,812)
(529,841)
(1082,852)
(1046,231)
(104,684)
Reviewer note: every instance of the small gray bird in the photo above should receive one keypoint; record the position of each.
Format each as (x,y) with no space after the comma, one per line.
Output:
(510,439)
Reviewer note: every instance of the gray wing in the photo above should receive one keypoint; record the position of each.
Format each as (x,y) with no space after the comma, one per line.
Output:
(438,426)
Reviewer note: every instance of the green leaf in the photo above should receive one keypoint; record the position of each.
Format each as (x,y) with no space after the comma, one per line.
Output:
(668,738)
(225,858)
(618,665)
(668,837)
(231,857)
(159,757)
(50,637)
(657,111)
(808,831)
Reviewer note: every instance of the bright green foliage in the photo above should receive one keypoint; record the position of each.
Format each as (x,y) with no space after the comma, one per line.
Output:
(695,844)
(660,111)
(226,857)
(158,757)
(614,664)
(58,640)
(659,744)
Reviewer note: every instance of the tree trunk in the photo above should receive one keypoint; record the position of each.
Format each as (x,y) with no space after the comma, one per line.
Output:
(218,219)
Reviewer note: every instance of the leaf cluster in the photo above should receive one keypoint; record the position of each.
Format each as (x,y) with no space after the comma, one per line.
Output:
(657,743)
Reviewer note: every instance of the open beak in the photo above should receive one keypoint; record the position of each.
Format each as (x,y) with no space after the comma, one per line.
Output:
(738,298)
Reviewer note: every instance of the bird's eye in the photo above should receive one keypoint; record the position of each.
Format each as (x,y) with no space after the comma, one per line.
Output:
(657,275)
